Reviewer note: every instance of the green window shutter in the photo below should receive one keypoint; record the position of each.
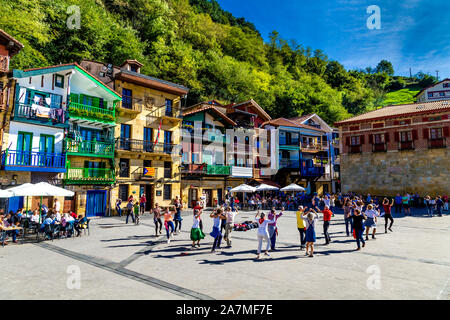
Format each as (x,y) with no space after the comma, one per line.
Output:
(96,102)
(74,98)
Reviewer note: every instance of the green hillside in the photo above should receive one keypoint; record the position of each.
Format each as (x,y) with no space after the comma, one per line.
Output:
(402,96)
(199,45)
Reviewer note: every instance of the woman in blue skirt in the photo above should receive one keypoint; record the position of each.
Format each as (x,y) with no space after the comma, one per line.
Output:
(311,219)
(217,215)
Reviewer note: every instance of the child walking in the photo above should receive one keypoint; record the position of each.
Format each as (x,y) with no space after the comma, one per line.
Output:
(196,233)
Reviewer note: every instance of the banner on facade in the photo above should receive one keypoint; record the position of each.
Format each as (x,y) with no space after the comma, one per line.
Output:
(149,172)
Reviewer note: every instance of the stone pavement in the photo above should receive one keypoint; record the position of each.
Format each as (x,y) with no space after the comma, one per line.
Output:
(119,261)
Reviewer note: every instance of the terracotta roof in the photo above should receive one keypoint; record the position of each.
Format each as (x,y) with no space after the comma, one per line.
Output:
(8,37)
(254,104)
(77,65)
(213,109)
(431,86)
(302,118)
(152,82)
(399,111)
(289,123)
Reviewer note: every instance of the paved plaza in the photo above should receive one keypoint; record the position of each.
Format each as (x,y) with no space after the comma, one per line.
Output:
(119,261)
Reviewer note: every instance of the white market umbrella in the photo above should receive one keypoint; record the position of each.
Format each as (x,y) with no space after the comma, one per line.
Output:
(245,188)
(5,194)
(292,187)
(266,187)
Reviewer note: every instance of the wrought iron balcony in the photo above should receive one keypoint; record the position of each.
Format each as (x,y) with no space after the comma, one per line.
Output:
(218,170)
(289,163)
(130,105)
(193,168)
(134,145)
(437,143)
(39,113)
(33,161)
(355,149)
(89,148)
(312,171)
(89,176)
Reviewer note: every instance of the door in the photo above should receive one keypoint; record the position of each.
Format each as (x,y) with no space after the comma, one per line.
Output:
(149,196)
(96,203)
(125,135)
(24,144)
(148,139)
(193,197)
(69,204)
(208,194)
(46,150)
(48,201)
(219,195)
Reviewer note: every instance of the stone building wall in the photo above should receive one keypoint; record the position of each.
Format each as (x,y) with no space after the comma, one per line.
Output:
(425,171)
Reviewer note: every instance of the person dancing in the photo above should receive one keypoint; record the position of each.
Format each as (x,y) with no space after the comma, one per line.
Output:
(196,233)
(263,233)
(387,214)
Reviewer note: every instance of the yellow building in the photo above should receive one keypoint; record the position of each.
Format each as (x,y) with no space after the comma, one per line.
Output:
(147,131)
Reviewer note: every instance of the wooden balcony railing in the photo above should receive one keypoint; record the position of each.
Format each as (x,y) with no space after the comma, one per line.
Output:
(379,147)
(41,113)
(30,159)
(406,145)
(90,148)
(4,63)
(89,176)
(355,149)
(437,143)
(193,168)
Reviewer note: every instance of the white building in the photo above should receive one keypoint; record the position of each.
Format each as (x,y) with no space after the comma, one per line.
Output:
(438,91)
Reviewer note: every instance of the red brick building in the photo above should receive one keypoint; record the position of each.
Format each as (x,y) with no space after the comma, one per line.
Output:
(402,148)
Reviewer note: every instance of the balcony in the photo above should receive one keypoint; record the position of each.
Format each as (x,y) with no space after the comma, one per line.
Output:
(146,174)
(89,176)
(316,147)
(218,170)
(40,114)
(289,163)
(89,148)
(4,63)
(437,143)
(143,146)
(355,149)
(192,168)
(379,147)
(129,107)
(33,161)
(242,172)
(91,113)
(312,171)
(170,116)
(406,145)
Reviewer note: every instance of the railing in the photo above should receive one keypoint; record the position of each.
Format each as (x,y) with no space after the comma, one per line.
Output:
(313,147)
(293,142)
(437,143)
(140,174)
(93,148)
(355,149)
(288,163)
(91,113)
(90,175)
(312,171)
(2,101)
(164,111)
(335,143)
(379,147)
(130,103)
(4,63)
(33,159)
(218,170)
(143,146)
(41,113)
(405,145)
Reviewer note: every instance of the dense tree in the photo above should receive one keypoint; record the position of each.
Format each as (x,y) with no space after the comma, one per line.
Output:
(385,66)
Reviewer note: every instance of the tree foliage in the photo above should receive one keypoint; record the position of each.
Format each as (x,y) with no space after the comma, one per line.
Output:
(199,45)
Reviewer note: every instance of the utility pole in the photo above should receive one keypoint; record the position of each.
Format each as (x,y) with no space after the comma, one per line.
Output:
(410,73)
(437,75)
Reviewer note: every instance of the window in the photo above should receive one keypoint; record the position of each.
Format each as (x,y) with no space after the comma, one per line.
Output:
(133,68)
(436,133)
(167,170)
(355,141)
(127,98)
(124,168)
(405,136)
(123,192)
(24,143)
(59,81)
(47,144)
(169,110)
(430,95)
(148,139)
(167,192)
(125,135)
(442,94)
(167,141)
(378,138)
(446,85)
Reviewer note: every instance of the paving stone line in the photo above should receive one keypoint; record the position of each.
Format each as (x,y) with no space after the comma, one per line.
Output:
(116,268)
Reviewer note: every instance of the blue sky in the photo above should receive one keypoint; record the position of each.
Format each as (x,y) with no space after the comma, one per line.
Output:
(414,33)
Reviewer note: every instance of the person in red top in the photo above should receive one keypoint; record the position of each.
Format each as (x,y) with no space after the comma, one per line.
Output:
(142,203)
(387,214)
(326,222)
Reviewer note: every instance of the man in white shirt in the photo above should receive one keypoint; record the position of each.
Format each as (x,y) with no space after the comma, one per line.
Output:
(230,224)
(57,207)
